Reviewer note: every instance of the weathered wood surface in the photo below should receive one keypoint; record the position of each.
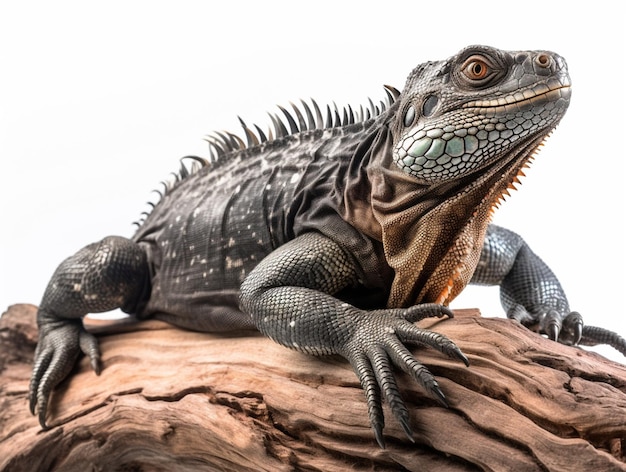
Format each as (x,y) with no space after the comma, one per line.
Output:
(169,400)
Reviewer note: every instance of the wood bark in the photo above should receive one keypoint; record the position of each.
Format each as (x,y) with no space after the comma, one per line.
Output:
(175,400)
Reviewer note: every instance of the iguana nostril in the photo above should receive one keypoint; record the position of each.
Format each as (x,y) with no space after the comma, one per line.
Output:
(543,60)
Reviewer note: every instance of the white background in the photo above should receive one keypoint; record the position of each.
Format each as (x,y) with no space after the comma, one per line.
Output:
(99,100)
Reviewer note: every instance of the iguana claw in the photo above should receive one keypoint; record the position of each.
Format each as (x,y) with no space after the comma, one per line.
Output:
(566,328)
(572,329)
(89,346)
(60,343)
(380,344)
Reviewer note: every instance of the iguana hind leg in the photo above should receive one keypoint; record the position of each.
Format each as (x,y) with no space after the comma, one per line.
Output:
(103,276)
(530,292)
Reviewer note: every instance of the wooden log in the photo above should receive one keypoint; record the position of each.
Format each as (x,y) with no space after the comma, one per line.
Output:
(170,399)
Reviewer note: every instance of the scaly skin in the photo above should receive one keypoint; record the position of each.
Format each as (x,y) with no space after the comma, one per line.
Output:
(530,292)
(336,238)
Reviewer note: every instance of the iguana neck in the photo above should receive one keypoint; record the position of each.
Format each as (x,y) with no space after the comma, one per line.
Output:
(432,234)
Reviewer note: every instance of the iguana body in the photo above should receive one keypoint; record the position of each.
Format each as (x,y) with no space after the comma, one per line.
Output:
(334,239)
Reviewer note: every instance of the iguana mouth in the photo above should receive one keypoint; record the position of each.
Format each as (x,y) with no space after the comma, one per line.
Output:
(522,99)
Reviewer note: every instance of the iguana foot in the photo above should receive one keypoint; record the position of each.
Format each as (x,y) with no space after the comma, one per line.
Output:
(109,274)
(567,328)
(531,293)
(60,343)
(378,342)
(564,327)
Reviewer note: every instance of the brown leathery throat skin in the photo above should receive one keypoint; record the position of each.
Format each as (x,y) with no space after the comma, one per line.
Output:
(432,234)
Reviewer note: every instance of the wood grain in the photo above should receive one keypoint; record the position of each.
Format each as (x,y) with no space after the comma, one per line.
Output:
(169,399)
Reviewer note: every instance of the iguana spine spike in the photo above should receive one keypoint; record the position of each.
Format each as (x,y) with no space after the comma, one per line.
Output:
(309,115)
(250,136)
(279,127)
(392,93)
(262,136)
(337,122)
(372,108)
(329,118)
(319,120)
(302,126)
(290,121)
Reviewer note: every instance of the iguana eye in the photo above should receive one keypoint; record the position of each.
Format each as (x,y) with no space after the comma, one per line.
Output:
(409,116)
(429,105)
(480,71)
(476,69)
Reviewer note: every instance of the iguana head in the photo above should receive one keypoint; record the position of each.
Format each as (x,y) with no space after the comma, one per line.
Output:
(460,115)
(463,130)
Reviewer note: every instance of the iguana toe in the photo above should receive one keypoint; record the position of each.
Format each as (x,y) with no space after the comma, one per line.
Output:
(572,330)
(376,346)
(89,346)
(412,335)
(60,344)
(552,330)
(425,310)
(551,323)
(578,332)
(365,372)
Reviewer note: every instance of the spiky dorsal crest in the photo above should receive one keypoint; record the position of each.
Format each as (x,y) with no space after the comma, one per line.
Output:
(304,117)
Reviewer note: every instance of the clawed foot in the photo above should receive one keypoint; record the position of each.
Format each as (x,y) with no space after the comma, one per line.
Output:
(60,343)
(567,328)
(378,342)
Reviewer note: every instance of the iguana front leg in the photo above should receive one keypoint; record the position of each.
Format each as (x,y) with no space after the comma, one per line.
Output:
(530,292)
(289,297)
(109,274)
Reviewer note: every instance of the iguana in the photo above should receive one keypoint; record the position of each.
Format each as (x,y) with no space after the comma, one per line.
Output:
(335,237)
